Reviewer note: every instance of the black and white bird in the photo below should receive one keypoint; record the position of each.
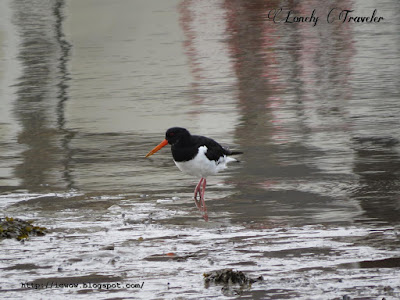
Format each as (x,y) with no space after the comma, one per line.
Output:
(198,156)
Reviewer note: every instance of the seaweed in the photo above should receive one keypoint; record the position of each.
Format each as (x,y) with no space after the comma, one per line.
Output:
(19,229)
(228,276)
(233,283)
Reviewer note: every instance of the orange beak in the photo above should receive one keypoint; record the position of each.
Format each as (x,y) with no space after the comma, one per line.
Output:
(158,147)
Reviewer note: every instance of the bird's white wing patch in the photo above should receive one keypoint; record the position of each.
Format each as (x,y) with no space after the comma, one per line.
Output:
(203,149)
(201,166)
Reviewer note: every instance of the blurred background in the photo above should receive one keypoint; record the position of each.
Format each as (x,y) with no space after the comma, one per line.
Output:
(87,88)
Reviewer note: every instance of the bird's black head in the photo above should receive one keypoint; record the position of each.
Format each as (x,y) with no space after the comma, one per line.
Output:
(175,135)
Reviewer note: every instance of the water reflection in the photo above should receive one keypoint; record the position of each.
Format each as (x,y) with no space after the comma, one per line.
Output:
(314,108)
(294,123)
(214,84)
(41,95)
(288,96)
(377,164)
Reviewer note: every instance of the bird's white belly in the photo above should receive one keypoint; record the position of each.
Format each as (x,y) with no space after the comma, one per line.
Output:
(201,166)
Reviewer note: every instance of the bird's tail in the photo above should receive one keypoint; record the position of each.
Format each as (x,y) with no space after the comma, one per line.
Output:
(236,152)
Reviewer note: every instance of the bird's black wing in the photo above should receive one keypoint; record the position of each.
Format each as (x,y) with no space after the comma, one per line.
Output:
(214,150)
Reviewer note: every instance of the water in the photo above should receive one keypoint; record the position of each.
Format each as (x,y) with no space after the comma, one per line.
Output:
(88,88)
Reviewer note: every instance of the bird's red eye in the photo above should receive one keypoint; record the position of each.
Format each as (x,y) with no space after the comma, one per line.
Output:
(171,134)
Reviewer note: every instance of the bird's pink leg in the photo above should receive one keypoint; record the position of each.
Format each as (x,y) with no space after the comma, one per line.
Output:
(203,202)
(202,194)
(197,190)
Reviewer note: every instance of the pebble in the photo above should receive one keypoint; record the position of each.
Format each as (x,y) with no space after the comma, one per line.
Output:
(164,200)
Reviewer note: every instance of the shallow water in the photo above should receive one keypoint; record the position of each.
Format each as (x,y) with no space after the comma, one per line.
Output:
(88,88)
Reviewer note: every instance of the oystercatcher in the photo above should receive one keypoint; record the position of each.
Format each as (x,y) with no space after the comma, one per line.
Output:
(198,156)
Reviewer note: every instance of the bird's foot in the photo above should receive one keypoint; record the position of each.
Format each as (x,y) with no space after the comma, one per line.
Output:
(203,208)
(200,203)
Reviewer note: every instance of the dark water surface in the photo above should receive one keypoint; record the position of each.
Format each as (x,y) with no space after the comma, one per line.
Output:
(89,87)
